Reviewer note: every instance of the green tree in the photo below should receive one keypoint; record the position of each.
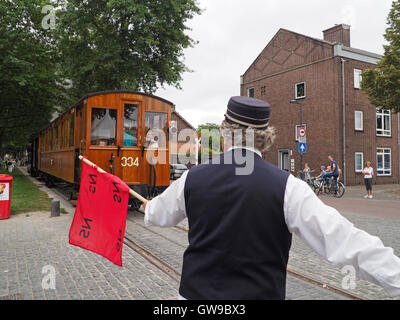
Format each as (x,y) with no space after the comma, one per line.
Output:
(30,89)
(382,84)
(119,44)
(211,141)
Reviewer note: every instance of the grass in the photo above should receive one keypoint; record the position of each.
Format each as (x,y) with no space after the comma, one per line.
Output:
(26,196)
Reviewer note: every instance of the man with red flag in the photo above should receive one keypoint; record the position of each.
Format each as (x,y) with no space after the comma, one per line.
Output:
(100,216)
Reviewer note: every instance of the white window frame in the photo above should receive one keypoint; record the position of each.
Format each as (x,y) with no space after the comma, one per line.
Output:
(297,127)
(248,92)
(355,161)
(387,171)
(295,90)
(385,132)
(357,78)
(361,114)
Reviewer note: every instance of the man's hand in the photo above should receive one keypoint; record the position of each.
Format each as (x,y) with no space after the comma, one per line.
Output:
(144,205)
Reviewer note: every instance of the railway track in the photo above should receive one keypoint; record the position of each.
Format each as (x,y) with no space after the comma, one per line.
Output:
(174,274)
(165,267)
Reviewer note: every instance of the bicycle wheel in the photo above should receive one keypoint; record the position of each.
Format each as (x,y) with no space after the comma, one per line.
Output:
(340,190)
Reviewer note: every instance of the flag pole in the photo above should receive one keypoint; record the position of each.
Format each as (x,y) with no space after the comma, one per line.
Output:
(133,193)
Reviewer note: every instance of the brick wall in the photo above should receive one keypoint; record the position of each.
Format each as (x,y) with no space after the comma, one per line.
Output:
(307,60)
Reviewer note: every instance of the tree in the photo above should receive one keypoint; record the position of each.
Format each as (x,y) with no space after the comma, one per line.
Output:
(119,44)
(30,89)
(382,84)
(211,141)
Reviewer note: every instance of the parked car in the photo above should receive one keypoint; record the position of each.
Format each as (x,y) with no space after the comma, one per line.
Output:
(176,170)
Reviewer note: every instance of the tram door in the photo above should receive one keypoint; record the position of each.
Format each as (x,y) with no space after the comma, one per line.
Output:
(130,152)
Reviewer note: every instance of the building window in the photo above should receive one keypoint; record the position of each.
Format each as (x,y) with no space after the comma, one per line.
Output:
(263,90)
(384,161)
(357,78)
(297,130)
(359,161)
(358,121)
(300,90)
(250,92)
(383,127)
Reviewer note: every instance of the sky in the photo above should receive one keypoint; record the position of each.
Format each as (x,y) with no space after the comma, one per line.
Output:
(232,33)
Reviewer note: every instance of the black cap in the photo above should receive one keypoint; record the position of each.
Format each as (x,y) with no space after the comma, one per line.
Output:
(248,112)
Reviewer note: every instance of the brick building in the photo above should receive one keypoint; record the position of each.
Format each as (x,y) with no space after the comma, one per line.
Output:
(324,75)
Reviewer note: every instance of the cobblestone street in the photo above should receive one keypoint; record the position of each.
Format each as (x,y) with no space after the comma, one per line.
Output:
(27,244)
(31,242)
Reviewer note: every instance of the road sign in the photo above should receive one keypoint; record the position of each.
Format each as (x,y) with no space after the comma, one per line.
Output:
(302,132)
(302,147)
(302,140)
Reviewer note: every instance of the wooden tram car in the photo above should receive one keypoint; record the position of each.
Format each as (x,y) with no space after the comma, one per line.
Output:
(121,131)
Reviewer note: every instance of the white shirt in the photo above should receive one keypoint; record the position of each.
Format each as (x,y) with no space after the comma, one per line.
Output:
(322,227)
(370,172)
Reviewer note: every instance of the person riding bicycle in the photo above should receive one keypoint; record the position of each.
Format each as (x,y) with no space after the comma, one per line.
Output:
(321,178)
(334,169)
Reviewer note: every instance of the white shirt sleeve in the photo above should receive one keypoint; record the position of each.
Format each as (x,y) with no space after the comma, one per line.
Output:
(167,209)
(335,238)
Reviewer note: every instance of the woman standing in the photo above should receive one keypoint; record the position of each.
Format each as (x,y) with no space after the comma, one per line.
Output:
(307,171)
(368,173)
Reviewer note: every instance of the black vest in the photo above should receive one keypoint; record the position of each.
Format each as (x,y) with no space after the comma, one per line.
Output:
(238,239)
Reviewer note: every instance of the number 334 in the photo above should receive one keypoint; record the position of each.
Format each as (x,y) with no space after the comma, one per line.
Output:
(129,162)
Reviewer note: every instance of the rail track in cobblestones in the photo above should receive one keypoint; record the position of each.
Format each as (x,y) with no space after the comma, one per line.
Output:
(174,274)
(165,267)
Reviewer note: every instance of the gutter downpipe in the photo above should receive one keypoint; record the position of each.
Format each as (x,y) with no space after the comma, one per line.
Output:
(342,61)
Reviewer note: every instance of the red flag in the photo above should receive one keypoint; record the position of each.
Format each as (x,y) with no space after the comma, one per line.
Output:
(100,216)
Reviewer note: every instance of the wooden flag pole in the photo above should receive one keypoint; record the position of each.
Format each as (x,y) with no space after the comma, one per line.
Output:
(133,193)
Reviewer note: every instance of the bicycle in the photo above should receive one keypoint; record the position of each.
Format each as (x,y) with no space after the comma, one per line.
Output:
(334,188)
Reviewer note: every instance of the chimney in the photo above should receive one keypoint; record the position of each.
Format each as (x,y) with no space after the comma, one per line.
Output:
(340,33)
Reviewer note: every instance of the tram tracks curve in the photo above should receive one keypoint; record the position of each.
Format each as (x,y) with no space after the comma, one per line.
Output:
(174,274)
(293,273)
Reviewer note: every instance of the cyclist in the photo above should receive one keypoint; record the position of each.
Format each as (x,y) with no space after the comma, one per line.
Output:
(334,169)
(321,178)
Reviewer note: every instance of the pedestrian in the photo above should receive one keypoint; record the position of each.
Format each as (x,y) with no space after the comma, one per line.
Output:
(368,173)
(307,173)
(10,166)
(242,211)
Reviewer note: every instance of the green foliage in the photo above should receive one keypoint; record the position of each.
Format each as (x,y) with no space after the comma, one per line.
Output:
(383,83)
(210,133)
(29,86)
(120,44)
(25,195)
(97,44)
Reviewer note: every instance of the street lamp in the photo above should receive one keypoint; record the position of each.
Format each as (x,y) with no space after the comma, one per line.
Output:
(301,124)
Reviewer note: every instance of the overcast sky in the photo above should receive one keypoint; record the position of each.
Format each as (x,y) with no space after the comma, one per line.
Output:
(232,33)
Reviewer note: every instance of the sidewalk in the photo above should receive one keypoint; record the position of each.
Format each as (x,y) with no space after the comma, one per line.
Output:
(385,204)
(32,245)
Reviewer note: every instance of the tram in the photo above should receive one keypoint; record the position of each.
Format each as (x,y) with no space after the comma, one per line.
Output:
(125,133)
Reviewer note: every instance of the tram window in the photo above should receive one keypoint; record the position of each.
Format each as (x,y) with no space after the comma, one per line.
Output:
(51,139)
(104,125)
(131,125)
(56,138)
(156,129)
(71,131)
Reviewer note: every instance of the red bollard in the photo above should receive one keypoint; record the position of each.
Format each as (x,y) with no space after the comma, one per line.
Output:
(5,195)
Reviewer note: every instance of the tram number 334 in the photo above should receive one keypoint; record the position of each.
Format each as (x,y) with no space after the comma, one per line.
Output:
(130,162)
